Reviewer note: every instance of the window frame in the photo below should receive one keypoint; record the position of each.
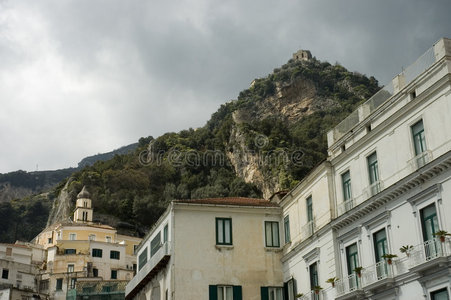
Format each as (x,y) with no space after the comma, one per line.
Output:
(155,244)
(114,256)
(59,284)
(5,271)
(286,228)
(309,208)
(224,231)
(70,268)
(97,252)
(113,274)
(142,262)
(422,138)
(275,243)
(346,185)
(72,236)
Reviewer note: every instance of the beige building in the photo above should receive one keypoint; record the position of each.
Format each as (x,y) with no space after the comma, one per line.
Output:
(227,248)
(81,250)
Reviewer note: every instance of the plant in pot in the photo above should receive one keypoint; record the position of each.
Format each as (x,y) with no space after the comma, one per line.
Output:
(332,281)
(299,295)
(389,258)
(358,271)
(316,289)
(406,249)
(442,234)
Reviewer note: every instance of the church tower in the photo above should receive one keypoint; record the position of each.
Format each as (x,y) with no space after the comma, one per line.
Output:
(83,209)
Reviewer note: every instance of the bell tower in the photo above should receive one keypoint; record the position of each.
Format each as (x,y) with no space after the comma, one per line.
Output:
(83,209)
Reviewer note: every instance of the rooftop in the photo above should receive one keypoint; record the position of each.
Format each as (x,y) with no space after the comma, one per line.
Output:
(236,201)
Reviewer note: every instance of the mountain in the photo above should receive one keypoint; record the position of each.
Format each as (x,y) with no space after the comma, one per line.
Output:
(263,142)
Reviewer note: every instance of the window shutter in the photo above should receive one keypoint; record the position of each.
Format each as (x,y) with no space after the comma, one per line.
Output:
(213,292)
(264,293)
(237,292)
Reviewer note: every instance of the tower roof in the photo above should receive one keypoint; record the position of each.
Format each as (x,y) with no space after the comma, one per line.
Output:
(84,193)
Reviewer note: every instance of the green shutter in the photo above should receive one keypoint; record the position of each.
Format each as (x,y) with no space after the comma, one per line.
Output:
(264,293)
(213,292)
(237,292)
(285,290)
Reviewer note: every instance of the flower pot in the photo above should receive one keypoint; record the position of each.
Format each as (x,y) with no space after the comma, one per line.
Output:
(442,238)
(333,284)
(389,261)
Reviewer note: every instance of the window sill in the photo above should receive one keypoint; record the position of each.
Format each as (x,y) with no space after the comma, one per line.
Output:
(224,247)
(273,249)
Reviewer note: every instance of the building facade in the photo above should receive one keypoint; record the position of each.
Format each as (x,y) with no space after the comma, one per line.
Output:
(370,222)
(80,252)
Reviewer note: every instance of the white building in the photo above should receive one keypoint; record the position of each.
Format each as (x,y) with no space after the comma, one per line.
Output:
(227,248)
(364,224)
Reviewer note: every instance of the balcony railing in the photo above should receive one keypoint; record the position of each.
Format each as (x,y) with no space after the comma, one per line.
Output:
(308,229)
(374,189)
(428,251)
(345,206)
(422,256)
(420,160)
(149,270)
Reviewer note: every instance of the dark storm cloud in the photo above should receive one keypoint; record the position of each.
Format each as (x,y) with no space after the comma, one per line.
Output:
(82,77)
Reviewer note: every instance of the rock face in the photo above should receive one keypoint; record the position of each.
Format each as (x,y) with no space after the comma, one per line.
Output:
(61,209)
(291,102)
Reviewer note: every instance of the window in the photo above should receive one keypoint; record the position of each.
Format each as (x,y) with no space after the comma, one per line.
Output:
(223,231)
(373,173)
(92,237)
(309,209)
(73,281)
(429,222)
(290,289)
(165,233)
(225,292)
(72,236)
(115,254)
(59,284)
(313,270)
(49,240)
(108,239)
(97,252)
(113,274)
(155,244)
(441,294)
(95,272)
(69,251)
(5,273)
(346,181)
(272,234)
(352,259)
(271,293)
(9,251)
(419,140)
(44,285)
(135,247)
(286,227)
(380,244)
(143,258)
(70,268)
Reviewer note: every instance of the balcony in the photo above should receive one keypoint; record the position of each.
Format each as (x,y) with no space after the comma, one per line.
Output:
(373,189)
(429,255)
(425,257)
(345,206)
(420,160)
(308,229)
(155,264)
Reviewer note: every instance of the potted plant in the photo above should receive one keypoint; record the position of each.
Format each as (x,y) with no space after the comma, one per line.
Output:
(406,249)
(332,281)
(389,257)
(442,234)
(299,295)
(358,271)
(317,288)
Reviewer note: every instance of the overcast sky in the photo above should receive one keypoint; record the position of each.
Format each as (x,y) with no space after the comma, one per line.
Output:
(84,77)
